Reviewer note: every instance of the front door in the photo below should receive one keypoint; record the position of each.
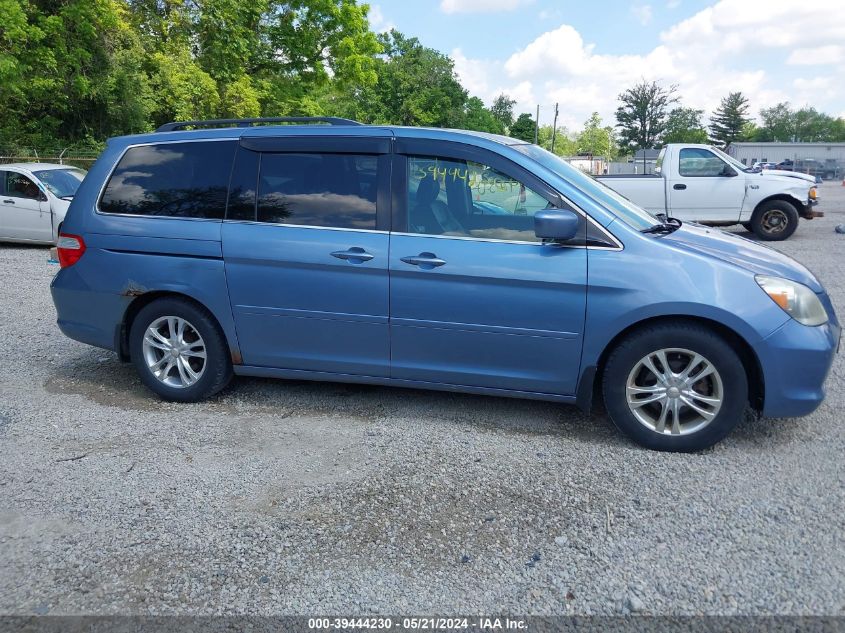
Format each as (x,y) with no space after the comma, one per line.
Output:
(475,298)
(306,254)
(24,210)
(705,188)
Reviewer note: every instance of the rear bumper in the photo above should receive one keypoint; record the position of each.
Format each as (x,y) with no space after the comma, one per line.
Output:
(795,361)
(85,315)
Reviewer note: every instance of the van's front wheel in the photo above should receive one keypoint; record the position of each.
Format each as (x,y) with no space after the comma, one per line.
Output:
(675,387)
(774,220)
(179,351)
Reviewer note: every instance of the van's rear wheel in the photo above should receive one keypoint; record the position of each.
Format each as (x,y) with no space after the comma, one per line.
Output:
(179,351)
(675,387)
(774,220)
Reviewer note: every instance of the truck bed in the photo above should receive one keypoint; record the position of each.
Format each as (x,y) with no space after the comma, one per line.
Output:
(645,190)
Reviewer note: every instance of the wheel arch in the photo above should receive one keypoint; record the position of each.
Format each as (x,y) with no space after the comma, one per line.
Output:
(142,300)
(783,197)
(589,387)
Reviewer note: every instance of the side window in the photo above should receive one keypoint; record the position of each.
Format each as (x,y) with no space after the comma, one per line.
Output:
(183,180)
(20,186)
(697,161)
(311,189)
(466,199)
(242,192)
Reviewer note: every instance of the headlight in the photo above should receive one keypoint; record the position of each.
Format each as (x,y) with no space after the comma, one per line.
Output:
(813,193)
(797,300)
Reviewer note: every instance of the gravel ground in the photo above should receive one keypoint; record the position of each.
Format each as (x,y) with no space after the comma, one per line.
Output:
(301,498)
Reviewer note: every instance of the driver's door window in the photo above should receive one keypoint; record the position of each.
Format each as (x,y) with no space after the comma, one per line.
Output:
(20,186)
(698,162)
(467,199)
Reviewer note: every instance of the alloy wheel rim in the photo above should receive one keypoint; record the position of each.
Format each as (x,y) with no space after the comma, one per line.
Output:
(175,352)
(775,221)
(674,391)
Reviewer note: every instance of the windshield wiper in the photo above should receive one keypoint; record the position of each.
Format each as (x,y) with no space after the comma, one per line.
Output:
(670,225)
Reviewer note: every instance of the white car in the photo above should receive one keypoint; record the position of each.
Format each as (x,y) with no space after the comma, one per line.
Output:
(703,184)
(34,198)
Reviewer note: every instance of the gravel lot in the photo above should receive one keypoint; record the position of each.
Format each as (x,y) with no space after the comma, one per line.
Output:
(301,498)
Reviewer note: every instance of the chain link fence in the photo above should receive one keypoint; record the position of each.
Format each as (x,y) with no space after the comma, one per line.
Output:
(76,158)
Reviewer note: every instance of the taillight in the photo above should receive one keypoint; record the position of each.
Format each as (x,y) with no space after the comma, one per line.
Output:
(70,248)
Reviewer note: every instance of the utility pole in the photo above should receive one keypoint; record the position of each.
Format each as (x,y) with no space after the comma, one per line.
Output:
(554,130)
(537,124)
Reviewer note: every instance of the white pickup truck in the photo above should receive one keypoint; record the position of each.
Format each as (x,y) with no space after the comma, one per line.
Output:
(702,184)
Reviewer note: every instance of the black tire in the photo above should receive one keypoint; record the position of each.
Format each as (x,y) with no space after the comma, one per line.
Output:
(217,371)
(696,338)
(774,220)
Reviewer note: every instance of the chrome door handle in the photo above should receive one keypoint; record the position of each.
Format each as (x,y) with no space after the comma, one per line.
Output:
(356,255)
(424,260)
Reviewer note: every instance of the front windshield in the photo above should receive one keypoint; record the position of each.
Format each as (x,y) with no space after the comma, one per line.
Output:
(730,160)
(62,183)
(598,191)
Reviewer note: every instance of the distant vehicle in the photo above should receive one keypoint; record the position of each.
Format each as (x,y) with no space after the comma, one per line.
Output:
(826,170)
(34,198)
(382,255)
(703,184)
(762,166)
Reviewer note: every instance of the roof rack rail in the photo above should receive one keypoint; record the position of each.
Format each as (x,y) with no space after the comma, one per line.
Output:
(181,125)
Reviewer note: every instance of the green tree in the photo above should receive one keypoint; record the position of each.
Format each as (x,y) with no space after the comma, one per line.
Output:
(68,71)
(565,144)
(416,86)
(502,110)
(641,117)
(778,124)
(523,128)
(478,117)
(684,125)
(729,119)
(184,91)
(596,139)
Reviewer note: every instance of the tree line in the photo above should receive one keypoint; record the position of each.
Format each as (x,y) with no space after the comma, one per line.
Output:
(650,115)
(74,72)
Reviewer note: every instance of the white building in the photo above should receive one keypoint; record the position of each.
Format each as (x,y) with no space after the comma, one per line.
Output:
(825,153)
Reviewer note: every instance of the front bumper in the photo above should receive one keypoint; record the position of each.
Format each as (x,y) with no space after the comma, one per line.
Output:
(808,212)
(795,361)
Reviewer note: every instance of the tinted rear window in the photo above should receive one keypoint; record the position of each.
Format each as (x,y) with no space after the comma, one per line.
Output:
(184,180)
(333,190)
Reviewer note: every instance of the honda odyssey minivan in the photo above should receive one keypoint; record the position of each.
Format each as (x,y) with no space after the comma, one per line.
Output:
(433,259)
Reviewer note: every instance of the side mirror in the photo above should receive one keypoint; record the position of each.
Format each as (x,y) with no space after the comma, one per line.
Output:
(556,225)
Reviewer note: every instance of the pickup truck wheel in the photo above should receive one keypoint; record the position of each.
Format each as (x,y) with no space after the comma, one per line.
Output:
(675,387)
(179,351)
(774,220)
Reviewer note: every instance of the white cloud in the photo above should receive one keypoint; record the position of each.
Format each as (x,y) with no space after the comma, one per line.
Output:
(378,22)
(730,46)
(817,56)
(481,6)
(642,13)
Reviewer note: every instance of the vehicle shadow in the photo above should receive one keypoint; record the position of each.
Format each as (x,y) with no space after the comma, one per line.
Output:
(101,378)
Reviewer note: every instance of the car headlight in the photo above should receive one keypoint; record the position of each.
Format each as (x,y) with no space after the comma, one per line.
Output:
(797,300)
(813,193)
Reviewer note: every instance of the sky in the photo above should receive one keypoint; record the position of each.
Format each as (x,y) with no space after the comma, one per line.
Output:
(582,54)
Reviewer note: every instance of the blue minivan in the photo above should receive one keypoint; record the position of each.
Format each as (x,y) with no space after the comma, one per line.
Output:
(433,259)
